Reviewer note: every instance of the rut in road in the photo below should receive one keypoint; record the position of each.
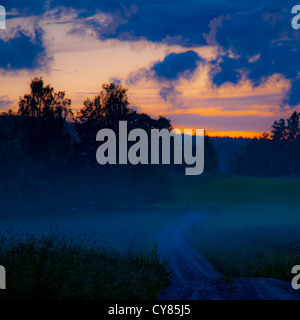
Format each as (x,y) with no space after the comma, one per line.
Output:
(195,279)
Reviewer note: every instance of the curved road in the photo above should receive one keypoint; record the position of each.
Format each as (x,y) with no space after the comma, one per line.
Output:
(195,279)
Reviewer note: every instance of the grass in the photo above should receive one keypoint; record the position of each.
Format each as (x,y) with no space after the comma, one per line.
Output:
(248,252)
(252,225)
(216,191)
(52,267)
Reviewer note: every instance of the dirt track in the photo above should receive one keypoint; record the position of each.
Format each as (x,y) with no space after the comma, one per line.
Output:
(195,279)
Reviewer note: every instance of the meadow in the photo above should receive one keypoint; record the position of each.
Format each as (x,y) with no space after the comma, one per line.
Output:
(53,267)
(250,229)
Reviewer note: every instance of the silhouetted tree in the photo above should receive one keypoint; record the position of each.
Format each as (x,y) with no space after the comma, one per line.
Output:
(272,156)
(293,128)
(13,159)
(105,111)
(43,102)
(279,130)
(44,113)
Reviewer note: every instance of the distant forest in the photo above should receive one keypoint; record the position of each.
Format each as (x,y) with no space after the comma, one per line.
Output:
(47,154)
(226,148)
(272,155)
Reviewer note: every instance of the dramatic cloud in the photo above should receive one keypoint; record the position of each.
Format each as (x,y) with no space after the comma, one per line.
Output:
(225,70)
(176,65)
(292,97)
(247,40)
(22,52)
(170,21)
(257,45)
(167,74)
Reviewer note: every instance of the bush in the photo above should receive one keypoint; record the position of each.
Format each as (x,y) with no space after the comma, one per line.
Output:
(52,267)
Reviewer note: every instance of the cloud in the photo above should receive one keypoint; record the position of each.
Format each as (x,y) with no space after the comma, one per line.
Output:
(22,8)
(170,21)
(171,95)
(5,102)
(168,93)
(115,80)
(176,65)
(292,96)
(255,38)
(225,70)
(257,45)
(167,73)
(136,76)
(177,21)
(23,52)
(22,44)
(220,123)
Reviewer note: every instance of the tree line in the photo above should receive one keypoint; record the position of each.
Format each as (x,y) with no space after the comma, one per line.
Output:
(276,154)
(48,152)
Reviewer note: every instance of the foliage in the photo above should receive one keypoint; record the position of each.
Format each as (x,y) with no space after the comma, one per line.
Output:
(276,155)
(52,267)
(44,113)
(109,107)
(49,157)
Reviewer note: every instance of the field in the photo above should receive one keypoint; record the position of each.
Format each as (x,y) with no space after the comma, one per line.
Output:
(251,227)
(52,267)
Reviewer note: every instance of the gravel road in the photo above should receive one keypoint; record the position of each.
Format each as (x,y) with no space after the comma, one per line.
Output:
(195,279)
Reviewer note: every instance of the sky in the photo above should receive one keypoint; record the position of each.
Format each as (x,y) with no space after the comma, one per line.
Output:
(229,67)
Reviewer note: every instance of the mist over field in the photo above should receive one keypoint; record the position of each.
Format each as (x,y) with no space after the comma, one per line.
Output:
(134,231)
